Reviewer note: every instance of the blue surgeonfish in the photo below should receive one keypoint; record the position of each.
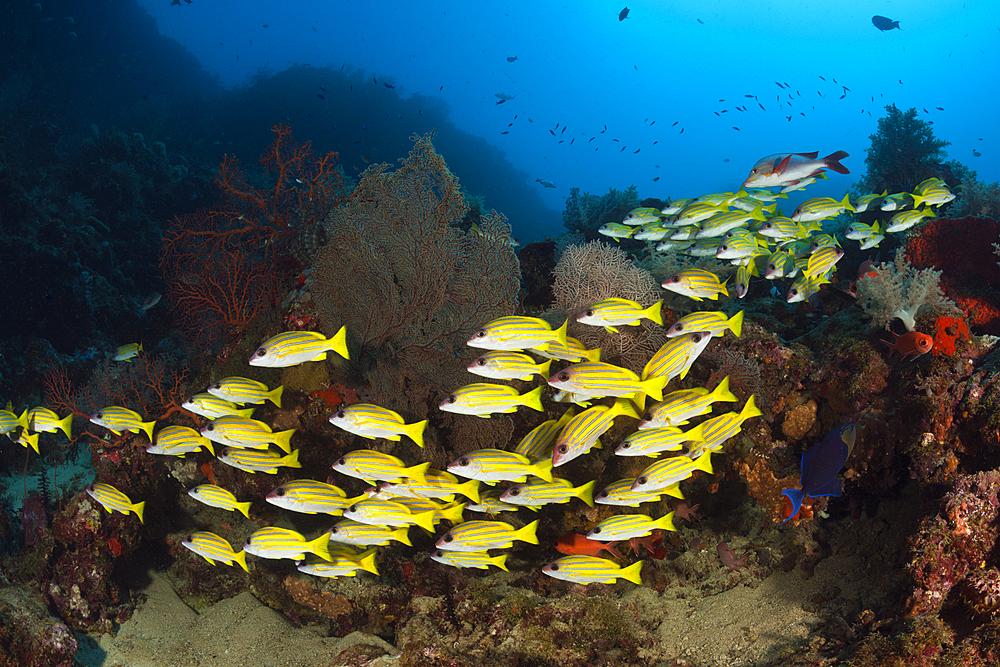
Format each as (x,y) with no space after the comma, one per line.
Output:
(820,466)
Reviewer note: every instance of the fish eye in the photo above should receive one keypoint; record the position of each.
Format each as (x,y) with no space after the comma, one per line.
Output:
(590,312)
(595,531)
(210,427)
(341,414)
(98,415)
(280,491)
(481,361)
(354,508)
(261,352)
(754,170)
(648,416)
(218,385)
(333,531)
(342,462)
(448,538)
(679,327)
(696,337)
(463,462)
(626,445)
(641,480)
(514,492)
(674,279)
(602,494)
(563,377)
(438,553)
(723,247)
(247,543)
(563,449)
(481,333)
(554,568)
(451,399)
(190,538)
(794,292)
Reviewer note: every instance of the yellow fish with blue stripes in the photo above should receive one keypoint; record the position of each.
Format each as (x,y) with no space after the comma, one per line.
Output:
(42,420)
(216,496)
(128,352)
(679,406)
(620,494)
(310,497)
(119,420)
(719,429)
(517,332)
(508,365)
(571,350)
(655,441)
(592,570)
(627,526)
(274,542)
(343,563)
(178,441)
(244,390)
(363,534)
(376,512)
(212,407)
(28,440)
(114,500)
(485,535)
(539,442)
(438,484)
(369,465)
(372,422)
(668,471)
(214,549)
(477,559)
(716,323)
(297,347)
(535,494)
(696,284)
(615,312)
(481,399)
(259,460)
(246,433)
(581,433)
(598,379)
(10,421)
(496,465)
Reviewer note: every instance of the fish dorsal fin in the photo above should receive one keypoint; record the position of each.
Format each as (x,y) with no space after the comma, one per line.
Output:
(811,156)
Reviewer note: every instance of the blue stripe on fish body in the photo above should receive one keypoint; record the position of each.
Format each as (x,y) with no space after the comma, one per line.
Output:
(244,390)
(370,465)
(515,332)
(592,570)
(114,500)
(214,548)
(296,347)
(620,494)
(259,460)
(820,466)
(627,526)
(538,443)
(362,534)
(668,471)
(484,535)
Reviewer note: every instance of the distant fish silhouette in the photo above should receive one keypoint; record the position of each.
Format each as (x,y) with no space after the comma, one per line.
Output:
(883,24)
(623,14)
(511,59)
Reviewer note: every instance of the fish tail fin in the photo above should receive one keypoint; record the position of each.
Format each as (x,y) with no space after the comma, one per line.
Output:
(666,522)
(735,324)
(23,419)
(674,491)
(65,425)
(722,393)
(527,534)
(138,509)
(470,490)
(246,412)
(592,355)
(750,410)
(586,493)
(402,535)
(275,395)
(425,520)
(290,461)
(367,561)
(453,513)
(704,462)
(543,368)
(244,508)
(832,161)
(623,406)
(697,434)
(533,399)
(339,343)
(795,496)
(241,559)
(283,439)
(633,572)
(653,387)
(500,561)
(32,441)
(416,472)
(655,312)
(321,547)
(416,432)
(542,470)
(207,444)
(846,202)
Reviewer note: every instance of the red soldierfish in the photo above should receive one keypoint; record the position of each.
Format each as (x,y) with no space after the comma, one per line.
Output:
(911,344)
(783,169)
(574,544)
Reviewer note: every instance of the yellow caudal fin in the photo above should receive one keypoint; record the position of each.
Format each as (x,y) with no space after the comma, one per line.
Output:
(633,572)
(624,407)
(666,522)
(846,201)
(283,439)
(452,513)
(416,473)
(674,490)
(138,508)
(23,419)
(339,343)
(592,355)
(655,312)
(735,324)
(749,410)
(542,469)
(244,508)
(65,425)
(367,561)
(275,395)
(424,519)
(586,493)
(246,412)
(704,462)
(533,399)
(500,561)
(543,368)
(470,490)
(527,534)
(416,432)
(722,393)
(696,434)
(290,461)
(653,387)
(32,440)
(402,535)
(147,428)
(241,559)
(207,444)
(561,332)
(321,547)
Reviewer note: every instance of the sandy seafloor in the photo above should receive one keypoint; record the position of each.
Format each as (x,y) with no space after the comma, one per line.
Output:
(760,618)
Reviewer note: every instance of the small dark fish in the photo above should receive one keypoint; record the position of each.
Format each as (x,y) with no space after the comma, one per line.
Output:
(843,96)
(656,178)
(501,101)
(562,141)
(925,110)
(364,127)
(420,112)
(725,111)
(515,116)
(572,140)
(939,108)
(314,29)
(615,140)
(778,84)
(623,149)
(656,142)
(322,88)
(675,123)
(846,89)
(682,131)
(366,158)
(725,159)
(320,96)
(591,139)
(654,122)
(787,86)
(440,89)
(901,82)
(716,113)
(386,113)
(834,79)
(802,114)
(635,67)
(400,116)
(552,132)
(563,130)
(636,151)
(821,76)
(736,128)
(883,24)
(505,132)
(310,115)
(623,14)
(510,124)
(819,93)
(265,25)
(722,100)
(374,80)
(761,106)
(748,96)
(511,59)
(700,21)
(789,118)
(389,85)
(976,154)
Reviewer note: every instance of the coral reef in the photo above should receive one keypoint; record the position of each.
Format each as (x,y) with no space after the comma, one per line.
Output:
(904,151)
(585,213)
(901,291)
